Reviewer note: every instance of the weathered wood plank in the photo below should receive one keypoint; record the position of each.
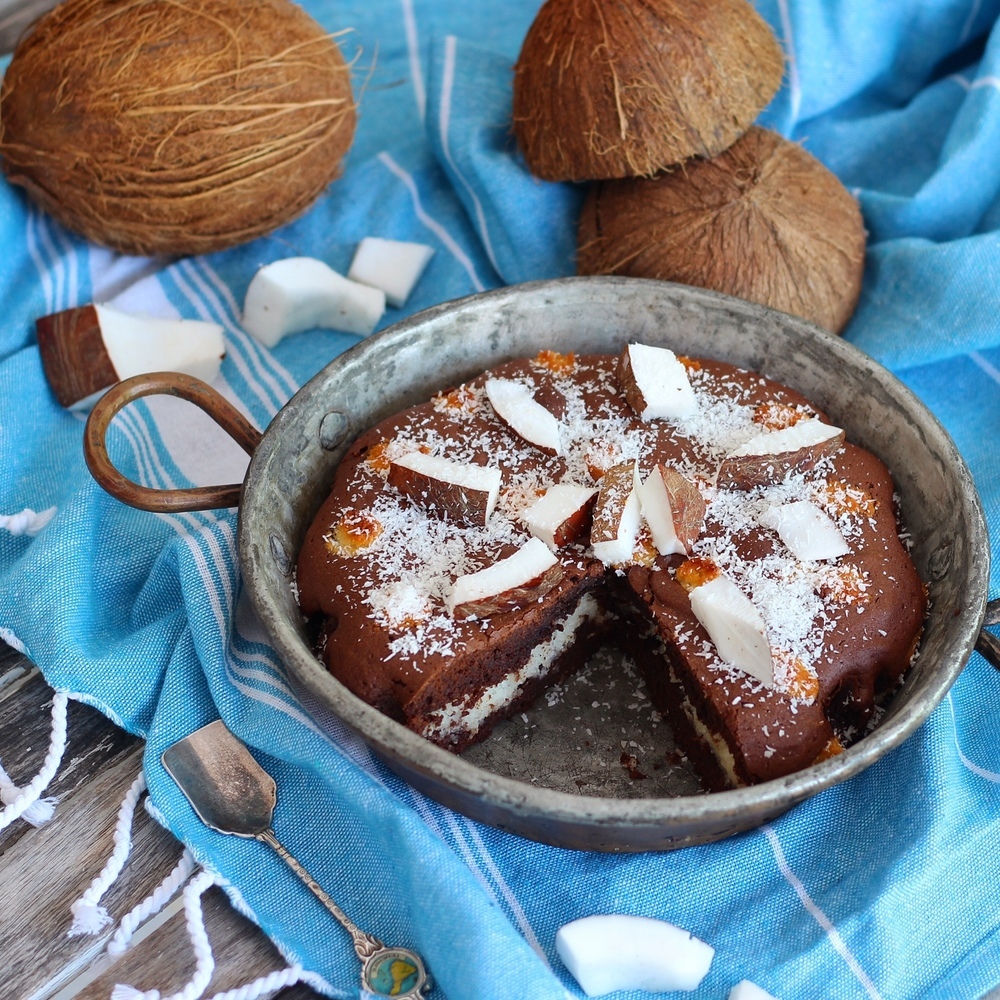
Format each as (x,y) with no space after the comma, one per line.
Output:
(93,742)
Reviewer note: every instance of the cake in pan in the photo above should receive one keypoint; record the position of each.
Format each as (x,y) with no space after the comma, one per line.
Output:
(476,549)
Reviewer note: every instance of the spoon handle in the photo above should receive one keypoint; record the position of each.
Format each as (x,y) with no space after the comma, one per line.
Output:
(364,944)
(395,972)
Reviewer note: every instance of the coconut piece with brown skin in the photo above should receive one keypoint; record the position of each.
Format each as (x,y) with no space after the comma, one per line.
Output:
(764,221)
(161,128)
(628,87)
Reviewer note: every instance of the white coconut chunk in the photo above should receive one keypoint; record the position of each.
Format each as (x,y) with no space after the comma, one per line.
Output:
(140,344)
(808,531)
(617,515)
(656,384)
(521,569)
(745,990)
(515,405)
(804,434)
(560,515)
(735,626)
(301,293)
(463,491)
(655,503)
(391,265)
(621,952)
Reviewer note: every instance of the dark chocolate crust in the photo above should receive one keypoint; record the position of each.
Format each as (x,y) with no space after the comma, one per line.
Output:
(868,605)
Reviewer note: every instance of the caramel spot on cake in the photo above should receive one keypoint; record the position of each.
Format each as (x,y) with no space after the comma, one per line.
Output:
(644,553)
(694,572)
(553,361)
(838,498)
(775,416)
(832,748)
(377,458)
(460,400)
(845,585)
(800,682)
(689,363)
(353,533)
(601,456)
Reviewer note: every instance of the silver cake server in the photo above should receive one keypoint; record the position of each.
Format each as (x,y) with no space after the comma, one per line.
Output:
(232,793)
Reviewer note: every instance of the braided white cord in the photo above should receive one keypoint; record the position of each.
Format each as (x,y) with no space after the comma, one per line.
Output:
(37,813)
(29,795)
(276,980)
(153,903)
(204,959)
(89,917)
(26,522)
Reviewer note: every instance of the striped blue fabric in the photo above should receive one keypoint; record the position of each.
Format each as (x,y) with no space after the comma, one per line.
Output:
(887,886)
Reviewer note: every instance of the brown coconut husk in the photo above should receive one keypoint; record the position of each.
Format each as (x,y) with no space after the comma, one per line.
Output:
(161,127)
(626,88)
(764,221)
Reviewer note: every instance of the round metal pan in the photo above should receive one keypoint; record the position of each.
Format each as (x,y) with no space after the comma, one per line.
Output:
(293,465)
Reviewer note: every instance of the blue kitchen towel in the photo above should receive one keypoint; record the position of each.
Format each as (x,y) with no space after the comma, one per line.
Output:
(886,886)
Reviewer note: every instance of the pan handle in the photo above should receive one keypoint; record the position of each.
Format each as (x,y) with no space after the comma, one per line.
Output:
(987,643)
(194,390)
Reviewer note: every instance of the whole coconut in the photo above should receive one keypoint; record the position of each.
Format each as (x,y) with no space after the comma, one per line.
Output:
(625,88)
(152,126)
(764,221)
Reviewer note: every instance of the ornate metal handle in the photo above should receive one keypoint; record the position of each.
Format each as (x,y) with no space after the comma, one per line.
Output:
(95,449)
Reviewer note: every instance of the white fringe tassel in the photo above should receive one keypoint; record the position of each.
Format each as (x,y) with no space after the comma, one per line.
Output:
(153,903)
(204,960)
(89,917)
(277,980)
(26,522)
(19,801)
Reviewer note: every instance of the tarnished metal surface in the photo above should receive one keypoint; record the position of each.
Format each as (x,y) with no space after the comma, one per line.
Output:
(530,794)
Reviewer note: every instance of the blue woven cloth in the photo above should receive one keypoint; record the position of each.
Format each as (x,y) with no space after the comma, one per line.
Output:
(886,886)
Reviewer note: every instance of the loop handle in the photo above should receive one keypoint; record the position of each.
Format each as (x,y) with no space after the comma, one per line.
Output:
(194,390)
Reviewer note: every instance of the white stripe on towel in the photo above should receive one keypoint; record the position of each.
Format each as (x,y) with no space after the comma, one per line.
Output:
(419,91)
(448,86)
(818,915)
(432,224)
(974,768)
(794,84)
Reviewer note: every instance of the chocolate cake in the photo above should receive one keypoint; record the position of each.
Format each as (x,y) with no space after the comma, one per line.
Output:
(476,548)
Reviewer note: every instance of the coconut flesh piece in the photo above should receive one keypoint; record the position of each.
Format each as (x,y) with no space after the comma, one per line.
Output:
(745,990)
(674,510)
(808,532)
(617,514)
(627,89)
(515,405)
(87,349)
(392,265)
(560,515)
(460,491)
(735,626)
(507,584)
(300,293)
(655,383)
(618,951)
(764,221)
(769,457)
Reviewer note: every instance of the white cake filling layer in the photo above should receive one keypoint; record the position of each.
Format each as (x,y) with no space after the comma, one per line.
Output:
(467,715)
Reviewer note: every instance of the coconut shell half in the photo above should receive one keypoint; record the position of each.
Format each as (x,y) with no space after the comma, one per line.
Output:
(625,88)
(155,127)
(764,221)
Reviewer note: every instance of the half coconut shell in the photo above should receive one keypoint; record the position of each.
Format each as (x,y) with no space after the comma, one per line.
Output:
(764,221)
(625,88)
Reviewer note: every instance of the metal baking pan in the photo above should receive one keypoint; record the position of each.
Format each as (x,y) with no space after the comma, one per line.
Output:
(589,767)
